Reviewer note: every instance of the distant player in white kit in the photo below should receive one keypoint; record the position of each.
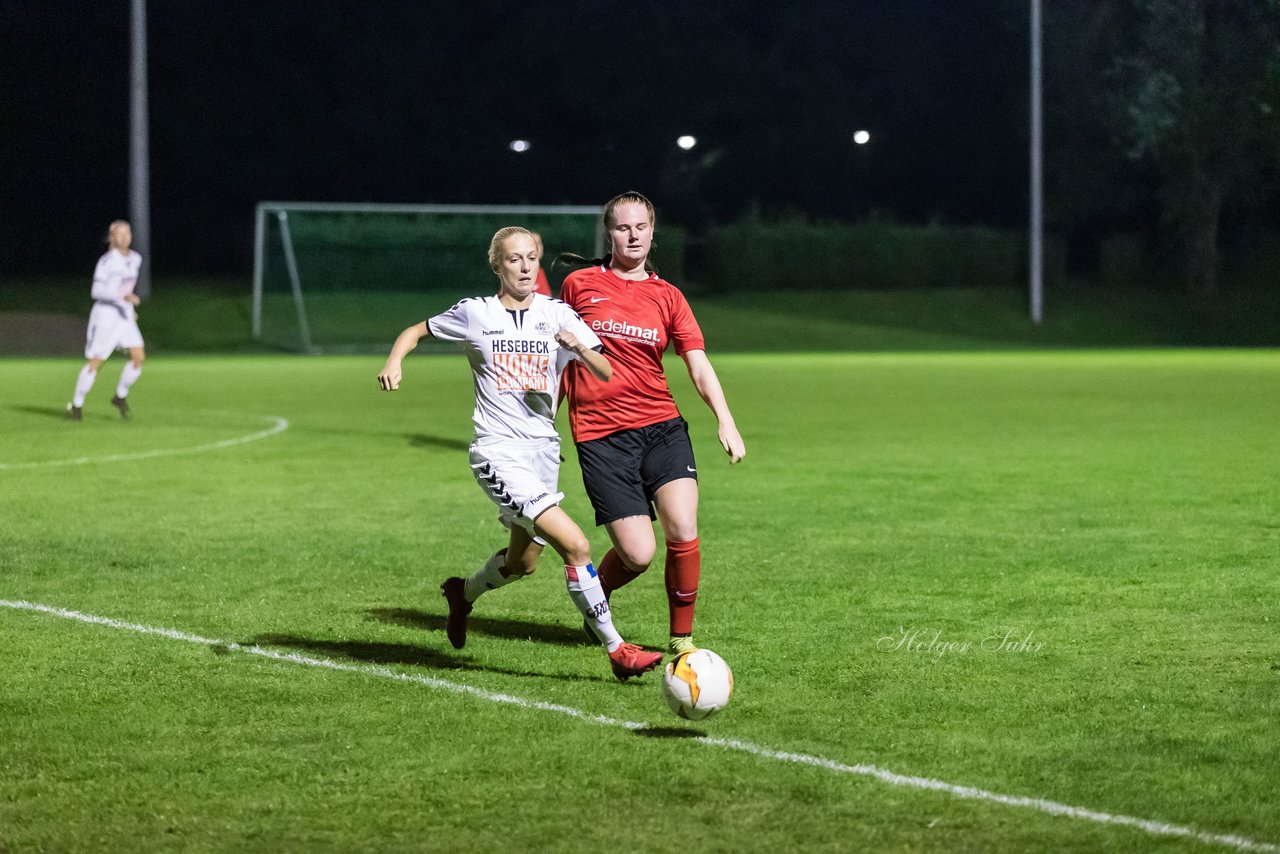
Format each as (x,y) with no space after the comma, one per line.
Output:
(518,343)
(113,323)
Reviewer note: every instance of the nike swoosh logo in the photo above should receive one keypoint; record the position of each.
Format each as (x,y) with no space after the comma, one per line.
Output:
(595,300)
(692,469)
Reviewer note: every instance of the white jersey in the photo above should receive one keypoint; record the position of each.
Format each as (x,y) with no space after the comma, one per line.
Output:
(114,279)
(515,361)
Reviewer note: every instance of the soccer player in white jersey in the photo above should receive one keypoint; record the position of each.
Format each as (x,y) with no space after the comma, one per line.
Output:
(113,322)
(518,343)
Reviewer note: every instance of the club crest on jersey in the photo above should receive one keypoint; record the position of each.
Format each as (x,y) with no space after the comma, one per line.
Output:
(543,328)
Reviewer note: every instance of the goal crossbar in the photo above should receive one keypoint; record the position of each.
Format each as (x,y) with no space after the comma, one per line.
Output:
(279,211)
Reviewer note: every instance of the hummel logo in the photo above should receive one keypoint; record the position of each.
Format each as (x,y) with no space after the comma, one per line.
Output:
(595,300)
(692,469)
(491,332)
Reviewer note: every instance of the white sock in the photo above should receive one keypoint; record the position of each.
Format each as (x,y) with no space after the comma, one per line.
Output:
(588,596)
(128,377)
(84,382)
(488,577)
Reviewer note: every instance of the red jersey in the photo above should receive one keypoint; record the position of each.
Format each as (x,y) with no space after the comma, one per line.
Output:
(635,320)
(540,284)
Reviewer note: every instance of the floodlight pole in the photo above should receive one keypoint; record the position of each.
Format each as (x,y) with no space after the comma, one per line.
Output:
(139,177)
(1035,253)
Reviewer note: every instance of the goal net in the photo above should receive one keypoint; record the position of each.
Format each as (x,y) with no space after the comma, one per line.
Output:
(349,277)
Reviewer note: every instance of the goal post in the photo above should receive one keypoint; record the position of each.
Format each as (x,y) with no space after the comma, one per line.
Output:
(339,277)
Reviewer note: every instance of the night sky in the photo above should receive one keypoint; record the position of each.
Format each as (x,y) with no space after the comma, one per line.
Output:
(417,102)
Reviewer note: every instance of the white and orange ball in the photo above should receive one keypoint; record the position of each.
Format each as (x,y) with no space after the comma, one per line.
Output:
(697,684)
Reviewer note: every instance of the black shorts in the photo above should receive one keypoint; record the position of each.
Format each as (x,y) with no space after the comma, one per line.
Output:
(623,470)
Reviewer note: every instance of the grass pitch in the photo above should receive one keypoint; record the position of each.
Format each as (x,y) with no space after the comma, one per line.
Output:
(1051,576)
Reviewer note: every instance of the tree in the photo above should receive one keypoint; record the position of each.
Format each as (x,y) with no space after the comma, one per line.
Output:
(1197,95)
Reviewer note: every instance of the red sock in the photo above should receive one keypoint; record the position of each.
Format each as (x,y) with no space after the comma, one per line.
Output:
(684,566)
(614,573)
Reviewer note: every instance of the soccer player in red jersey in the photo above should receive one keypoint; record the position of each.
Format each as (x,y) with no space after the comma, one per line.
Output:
(519,343)
(633,445)
(540,284)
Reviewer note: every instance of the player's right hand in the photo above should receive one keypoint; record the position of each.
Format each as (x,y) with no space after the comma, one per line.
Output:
(389,379)
(568,341)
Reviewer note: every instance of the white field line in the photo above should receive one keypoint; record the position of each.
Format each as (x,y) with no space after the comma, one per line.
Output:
(280,425)
(1155,828)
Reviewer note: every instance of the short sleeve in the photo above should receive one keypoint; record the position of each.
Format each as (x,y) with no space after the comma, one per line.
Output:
(684,332)
(451,325)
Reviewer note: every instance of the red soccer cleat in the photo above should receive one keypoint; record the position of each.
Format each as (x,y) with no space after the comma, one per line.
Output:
(455,626)
(630,660)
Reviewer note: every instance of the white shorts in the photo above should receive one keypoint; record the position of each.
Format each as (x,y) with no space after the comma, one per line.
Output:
(111,328)
(520,477)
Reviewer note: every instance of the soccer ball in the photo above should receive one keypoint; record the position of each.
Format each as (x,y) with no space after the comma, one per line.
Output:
(697,684)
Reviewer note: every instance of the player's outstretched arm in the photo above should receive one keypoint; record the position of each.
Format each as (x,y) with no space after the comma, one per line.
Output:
(595,362)
(708,386)
(389,379)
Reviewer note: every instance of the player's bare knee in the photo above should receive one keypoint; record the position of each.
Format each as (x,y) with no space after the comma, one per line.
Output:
(577,552)
(679,522)
(636,560)
(681,532)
